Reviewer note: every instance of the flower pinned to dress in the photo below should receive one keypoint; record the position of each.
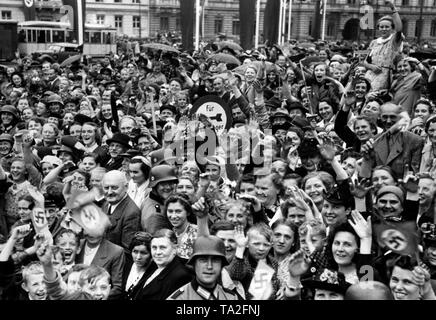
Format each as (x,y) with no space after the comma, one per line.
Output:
(329,276)
(327,279)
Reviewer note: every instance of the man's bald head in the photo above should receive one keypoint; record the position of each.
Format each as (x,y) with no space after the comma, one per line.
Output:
(391,107)
(114,186)
(389,114)
(368,290)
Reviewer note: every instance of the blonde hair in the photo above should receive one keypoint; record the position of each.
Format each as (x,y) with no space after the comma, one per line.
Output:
(33,268)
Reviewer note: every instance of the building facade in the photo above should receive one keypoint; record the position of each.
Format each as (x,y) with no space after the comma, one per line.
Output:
(148,18)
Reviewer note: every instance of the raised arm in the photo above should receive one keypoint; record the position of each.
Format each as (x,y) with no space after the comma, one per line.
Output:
(398,25)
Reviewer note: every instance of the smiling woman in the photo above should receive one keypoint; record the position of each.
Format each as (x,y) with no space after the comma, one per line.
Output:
(410,83)
(384,49)
(314,184)
(178,208)
(348,249)
(166,268)
(402,282)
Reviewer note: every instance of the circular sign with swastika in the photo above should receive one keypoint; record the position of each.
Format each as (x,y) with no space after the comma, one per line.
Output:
(90,217)
(394,239)
(28,3)
(216,109)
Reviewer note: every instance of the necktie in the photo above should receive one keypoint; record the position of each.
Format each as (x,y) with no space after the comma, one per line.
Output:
(389,139)
(109,210)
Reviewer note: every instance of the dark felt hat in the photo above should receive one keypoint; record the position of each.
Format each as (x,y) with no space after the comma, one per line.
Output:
(81,118)
(328,279)
(119,138)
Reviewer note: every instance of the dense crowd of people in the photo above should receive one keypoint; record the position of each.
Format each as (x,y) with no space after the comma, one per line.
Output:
(321,186)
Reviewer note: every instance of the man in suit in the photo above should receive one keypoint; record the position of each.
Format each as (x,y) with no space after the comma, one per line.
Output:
(234,98)
(124,215)
(393,148)
(100,252)
(118,145)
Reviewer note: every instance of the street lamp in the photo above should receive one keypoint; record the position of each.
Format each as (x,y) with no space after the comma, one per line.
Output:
(420,21)
(140,24)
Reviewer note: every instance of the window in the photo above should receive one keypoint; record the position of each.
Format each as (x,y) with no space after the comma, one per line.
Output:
(331,29)
(218,25)
(58,36)
(404,2)
(433,29)
(136,1)
(310,27)
(7,15)
(418,28)
(118,22)
(136,22)
(96,37)
(117,0)
(41,36)
(405,27)
(178,25)
(236,27)
(98,0)
(100,19)
(164,23)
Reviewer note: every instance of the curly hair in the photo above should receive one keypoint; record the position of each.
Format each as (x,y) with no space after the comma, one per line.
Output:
(326,178)
(141,238)
(182,199)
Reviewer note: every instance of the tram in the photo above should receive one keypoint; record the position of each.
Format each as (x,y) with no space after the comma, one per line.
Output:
(50,36)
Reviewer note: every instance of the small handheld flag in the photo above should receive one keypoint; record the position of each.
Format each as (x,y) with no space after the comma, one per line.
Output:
(400,237)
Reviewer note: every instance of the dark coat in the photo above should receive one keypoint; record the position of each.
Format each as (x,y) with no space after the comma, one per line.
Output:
(175,275)
(344,132)
(125,222)
(115,164)
(130,293)
(110,257)
(407,149)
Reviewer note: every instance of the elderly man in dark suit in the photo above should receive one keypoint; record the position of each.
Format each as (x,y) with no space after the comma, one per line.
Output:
(124,215)
(393,148)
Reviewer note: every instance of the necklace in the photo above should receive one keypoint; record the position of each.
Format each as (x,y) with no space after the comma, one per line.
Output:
(178,235)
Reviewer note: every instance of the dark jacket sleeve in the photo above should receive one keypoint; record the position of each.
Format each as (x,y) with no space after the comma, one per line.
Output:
(342,129)
(57,289)
(132,224)
(116,272)
(240,269)
(243,104)
(7,270)
(416,143)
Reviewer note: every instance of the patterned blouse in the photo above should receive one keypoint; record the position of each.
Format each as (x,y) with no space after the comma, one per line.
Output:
(185,241)
(11,197)
(283,271)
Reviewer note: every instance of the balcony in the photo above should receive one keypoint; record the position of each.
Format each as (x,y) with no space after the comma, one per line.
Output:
(48,4)
(165,3)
